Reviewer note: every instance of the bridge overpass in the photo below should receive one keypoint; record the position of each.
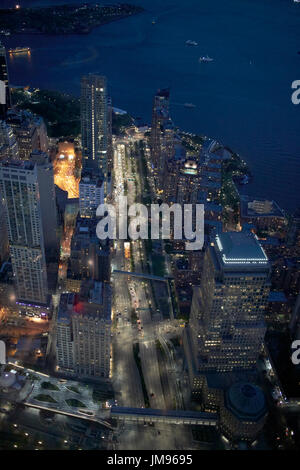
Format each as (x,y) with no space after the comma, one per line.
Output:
(151,277)
(138,415)
(149,415)
(79,415)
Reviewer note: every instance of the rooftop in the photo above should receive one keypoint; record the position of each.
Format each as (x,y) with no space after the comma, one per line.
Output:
(259,207)
(246,401)
(237,248)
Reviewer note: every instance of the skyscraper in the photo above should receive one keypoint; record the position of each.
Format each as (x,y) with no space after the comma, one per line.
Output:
(5,101)
(30,132)
(90,257)
(19,189)
(109,135)
(48,203)
(162,134)
(8,144)
(94,126)
(226,328)
(84,331)
(91,194)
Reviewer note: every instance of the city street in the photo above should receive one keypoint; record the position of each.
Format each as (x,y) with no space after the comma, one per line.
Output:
(137,295)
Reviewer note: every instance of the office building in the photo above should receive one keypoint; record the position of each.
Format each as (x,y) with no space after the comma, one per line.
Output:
(84,331)
(20,193)
(226,328)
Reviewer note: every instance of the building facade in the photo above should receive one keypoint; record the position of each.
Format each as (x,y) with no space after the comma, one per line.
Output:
(19,189)
(94,123)
(8,143)
(226,327)
(161,136)
(84,331)
(5,100)
(30,132)
(91,194)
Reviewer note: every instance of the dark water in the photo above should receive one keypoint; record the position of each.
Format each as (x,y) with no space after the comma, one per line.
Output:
(243,98)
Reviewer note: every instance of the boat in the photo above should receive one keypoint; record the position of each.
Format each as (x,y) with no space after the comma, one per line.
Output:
(189,105)
(205,59)
(19,50)
(189,42)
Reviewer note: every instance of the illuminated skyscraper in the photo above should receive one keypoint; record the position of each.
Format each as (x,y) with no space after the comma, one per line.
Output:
(226,328)
(94,126)
(5,101)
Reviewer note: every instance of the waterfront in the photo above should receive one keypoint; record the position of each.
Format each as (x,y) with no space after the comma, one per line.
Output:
(241,98)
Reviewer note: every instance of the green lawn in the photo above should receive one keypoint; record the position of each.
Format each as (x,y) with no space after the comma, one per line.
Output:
(75,403)
(49,386)
(46,398)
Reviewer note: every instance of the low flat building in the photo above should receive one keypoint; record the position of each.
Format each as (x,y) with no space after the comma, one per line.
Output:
(264,214)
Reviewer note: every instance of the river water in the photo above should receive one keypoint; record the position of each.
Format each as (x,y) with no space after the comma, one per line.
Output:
(242,98)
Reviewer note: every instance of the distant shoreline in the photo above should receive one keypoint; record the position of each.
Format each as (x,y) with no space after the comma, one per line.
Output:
(63,19)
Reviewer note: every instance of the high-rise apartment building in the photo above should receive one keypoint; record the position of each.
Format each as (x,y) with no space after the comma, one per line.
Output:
(30,131)
(162,135)
(84,331)
(20,193)
(5,101)
(48,203)
(8,143)
(94,128)
(91,194)
(226,327)
(109,136)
